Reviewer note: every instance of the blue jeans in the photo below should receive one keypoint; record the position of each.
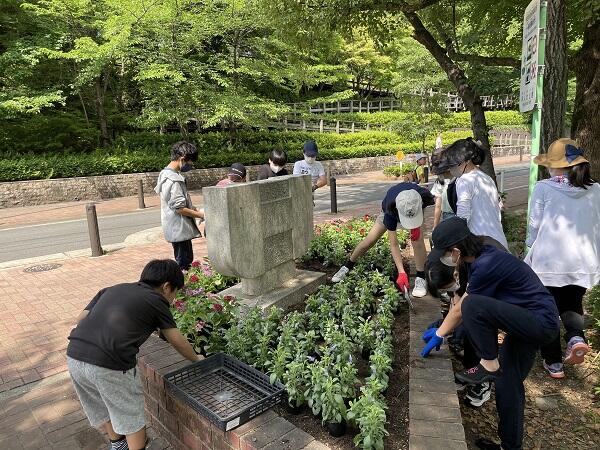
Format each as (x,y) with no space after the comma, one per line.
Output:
(184,253)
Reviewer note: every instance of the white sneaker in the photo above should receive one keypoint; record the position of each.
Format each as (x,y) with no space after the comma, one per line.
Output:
(340,274)
(478,394)
(420,289)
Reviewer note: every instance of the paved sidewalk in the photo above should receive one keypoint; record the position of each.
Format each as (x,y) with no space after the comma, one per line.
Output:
(37,312)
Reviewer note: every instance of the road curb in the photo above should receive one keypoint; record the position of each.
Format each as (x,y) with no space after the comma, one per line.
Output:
(143,237)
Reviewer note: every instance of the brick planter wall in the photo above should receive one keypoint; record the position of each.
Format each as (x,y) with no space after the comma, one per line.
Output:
(40,192)
(184,428)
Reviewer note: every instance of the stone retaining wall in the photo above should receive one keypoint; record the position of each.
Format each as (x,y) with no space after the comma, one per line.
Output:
(185,429)
(40,192)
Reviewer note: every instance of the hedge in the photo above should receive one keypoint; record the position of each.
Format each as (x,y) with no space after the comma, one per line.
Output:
(495,119)
(150,154)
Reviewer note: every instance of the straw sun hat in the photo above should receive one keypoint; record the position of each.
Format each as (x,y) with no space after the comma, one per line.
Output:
(562,153)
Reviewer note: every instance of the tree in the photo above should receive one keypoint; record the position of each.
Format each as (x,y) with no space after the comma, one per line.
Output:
(586,65)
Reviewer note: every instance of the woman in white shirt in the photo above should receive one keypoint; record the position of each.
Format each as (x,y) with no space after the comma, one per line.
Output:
(477,198)
(564,237)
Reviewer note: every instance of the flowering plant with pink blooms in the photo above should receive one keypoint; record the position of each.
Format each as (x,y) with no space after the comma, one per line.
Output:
(200,313)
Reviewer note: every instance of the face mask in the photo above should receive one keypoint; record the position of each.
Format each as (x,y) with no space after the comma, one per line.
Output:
(274,168)
(186,167)
(455,287)
(310,159)
(448,260)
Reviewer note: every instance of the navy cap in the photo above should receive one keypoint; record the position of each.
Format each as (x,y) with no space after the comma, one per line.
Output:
(448,233)
(238,169)
(310,148)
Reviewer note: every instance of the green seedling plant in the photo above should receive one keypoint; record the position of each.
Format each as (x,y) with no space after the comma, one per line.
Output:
(365,334)
(333,408)
(277,364)
(295,380)
(368,414)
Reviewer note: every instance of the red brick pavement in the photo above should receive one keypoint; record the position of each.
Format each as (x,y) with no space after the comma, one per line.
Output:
(37,312)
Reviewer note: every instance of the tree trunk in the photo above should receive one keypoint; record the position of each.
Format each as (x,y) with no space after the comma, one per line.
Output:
(586,112)
(555,78)
(457,76)
(101,112)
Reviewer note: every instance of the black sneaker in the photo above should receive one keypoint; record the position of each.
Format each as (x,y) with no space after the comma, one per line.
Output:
(478,394)
(477,375)
(486,444)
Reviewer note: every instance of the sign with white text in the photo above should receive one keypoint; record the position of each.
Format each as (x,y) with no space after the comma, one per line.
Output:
(529,56)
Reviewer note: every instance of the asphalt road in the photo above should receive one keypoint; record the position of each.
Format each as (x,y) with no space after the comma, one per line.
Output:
(45,239)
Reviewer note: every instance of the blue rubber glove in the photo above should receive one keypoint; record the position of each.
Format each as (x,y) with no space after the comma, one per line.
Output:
(429,333)
(433,341)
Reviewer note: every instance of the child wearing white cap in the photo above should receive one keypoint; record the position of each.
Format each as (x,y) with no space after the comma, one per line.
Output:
(402,206)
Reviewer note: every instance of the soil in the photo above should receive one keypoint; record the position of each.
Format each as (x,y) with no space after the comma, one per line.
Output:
(396,397)
(572,420)
(317,266)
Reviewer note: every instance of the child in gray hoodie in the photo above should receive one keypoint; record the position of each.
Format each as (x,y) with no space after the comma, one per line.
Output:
(177,213)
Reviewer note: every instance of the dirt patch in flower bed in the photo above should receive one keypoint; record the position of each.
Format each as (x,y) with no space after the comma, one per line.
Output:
(396,398)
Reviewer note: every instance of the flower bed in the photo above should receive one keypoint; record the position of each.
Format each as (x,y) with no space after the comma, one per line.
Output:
(314,351)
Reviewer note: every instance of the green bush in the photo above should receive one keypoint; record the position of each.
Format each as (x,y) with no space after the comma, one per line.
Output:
(495,119)
(396,171)
(147,152)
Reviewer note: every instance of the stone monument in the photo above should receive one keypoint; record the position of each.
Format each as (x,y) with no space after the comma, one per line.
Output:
(255,231)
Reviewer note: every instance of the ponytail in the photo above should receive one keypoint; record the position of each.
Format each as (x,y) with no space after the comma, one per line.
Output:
(465,150)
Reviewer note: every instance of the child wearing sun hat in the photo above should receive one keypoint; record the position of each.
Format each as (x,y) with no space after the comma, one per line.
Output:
(564,237)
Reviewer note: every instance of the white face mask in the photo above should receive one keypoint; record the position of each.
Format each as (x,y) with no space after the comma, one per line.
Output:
(448,260)
(455,287)
(310,159)
(275,168)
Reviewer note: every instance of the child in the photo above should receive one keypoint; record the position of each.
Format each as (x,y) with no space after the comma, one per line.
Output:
(477,198)
(177,213)
(276,166)
(402,206)
(310,166)
(101,355)
(503,293)
(421,160)
(237,174)
(565,244)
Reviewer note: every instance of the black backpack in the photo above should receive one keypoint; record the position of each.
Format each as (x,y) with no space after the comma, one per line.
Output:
(452,196)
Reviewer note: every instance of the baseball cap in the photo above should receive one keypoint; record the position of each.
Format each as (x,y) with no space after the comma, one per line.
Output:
(237,169)
(410,209)
(418,156)
(310,148)
(448,233)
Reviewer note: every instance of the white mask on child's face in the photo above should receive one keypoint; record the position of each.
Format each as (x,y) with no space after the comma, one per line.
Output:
(448,259)
(275,168)
(310,159)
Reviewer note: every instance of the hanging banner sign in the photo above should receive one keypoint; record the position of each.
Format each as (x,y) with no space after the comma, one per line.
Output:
(529,56)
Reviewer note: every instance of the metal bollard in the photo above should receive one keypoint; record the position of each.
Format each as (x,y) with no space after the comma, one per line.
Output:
(426,174)
(333,194)
(94,232)
(141,203)
(502,181)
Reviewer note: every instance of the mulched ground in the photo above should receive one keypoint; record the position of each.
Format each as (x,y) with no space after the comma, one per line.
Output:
(559,414)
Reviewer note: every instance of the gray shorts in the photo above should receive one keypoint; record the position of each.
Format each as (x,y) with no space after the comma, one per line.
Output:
(107,394)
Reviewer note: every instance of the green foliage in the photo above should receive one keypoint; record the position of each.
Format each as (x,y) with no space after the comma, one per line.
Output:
(130,155)
(399,170)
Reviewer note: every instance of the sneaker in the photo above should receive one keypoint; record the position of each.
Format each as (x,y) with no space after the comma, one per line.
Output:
(340,274)
(555,369)
(478,394)
(420,289)
(477,375)
(576,350)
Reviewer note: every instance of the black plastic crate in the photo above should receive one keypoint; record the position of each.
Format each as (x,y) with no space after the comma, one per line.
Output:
(225,390)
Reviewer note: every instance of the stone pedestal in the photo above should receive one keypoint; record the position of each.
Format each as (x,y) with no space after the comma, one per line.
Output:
(256,231)
(290,293)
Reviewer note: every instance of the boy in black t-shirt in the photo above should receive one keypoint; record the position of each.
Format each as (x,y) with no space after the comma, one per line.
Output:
(101,354)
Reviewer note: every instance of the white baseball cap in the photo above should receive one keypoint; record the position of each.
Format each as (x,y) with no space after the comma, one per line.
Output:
(410,209)
(418,156)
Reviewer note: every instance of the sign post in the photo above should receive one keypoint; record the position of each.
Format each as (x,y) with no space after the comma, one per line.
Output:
(532,77)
